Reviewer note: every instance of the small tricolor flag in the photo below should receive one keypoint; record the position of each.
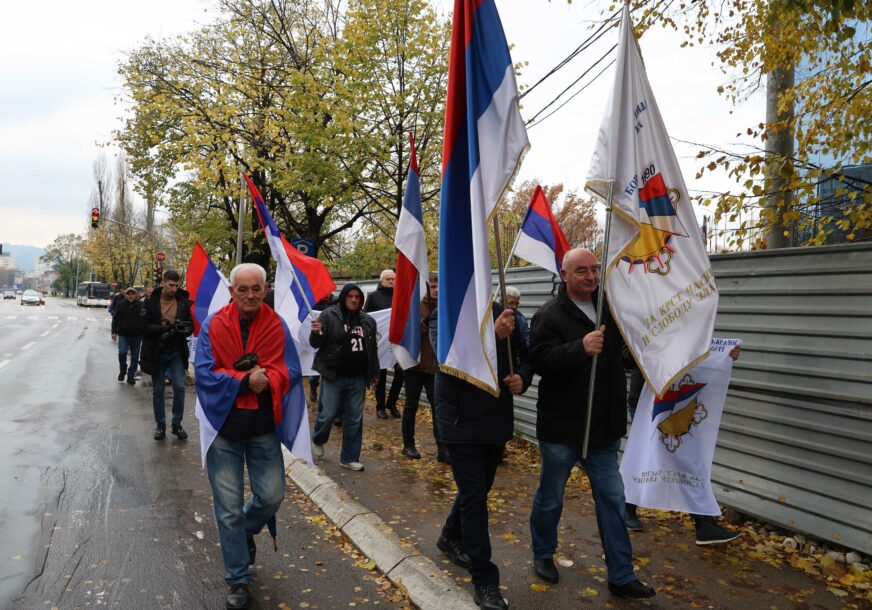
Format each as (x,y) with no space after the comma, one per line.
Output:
(411,274)
(485,140)
(541,241)
(207,287)
(310,274)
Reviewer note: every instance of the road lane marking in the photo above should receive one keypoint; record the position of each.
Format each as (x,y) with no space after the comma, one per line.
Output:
(28,346)
(55,326)
(52,317)
(4,363)
(11,317)
(45,333)
(33,317)
(72,318)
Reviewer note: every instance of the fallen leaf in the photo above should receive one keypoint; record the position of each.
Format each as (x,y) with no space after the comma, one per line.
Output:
(589,592)
(539,588)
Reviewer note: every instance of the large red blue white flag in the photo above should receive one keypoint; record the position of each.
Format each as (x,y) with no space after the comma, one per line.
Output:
(658,276)
(311,274)
(411,273)
(485,140)
(218,382)
(541,241)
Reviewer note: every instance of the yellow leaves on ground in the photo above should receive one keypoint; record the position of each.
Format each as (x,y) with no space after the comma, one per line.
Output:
(539,588)
(589,592)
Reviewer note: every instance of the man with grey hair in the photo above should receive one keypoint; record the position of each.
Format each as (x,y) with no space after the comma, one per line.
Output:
(513,302)
(382,298)
(244,386)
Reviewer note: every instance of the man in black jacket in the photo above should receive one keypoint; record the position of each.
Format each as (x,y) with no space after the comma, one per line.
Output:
(382,298)
(127,330)
(475,426)
(564,340)
(167,324)
(347,360)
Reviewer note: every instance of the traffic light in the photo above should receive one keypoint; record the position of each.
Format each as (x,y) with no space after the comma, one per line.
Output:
(95,218)
(158,275)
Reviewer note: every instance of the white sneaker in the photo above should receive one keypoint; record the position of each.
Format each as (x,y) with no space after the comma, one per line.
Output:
(317,450)
(352,465)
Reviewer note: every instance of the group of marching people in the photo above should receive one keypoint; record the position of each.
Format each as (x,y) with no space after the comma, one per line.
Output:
(244,385)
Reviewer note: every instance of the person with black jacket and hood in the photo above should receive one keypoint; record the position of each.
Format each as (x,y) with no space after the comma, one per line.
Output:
(347,360)
(475,426)
(167,324)
(382,298)
(127,330)
(563,342)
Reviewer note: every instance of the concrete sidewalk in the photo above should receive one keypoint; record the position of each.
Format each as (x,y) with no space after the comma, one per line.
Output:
(394,510)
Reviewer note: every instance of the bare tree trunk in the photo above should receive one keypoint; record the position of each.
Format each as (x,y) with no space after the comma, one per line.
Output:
(779,147)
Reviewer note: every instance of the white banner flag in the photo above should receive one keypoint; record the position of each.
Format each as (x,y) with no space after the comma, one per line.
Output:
(667,462)
(386,357)
(657,274)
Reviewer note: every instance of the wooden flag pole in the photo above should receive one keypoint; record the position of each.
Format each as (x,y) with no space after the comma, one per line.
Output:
(502,286)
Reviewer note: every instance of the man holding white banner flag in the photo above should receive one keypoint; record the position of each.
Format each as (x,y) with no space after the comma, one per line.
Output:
(657,274)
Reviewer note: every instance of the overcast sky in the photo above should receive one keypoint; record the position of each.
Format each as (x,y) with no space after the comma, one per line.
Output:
(59,83)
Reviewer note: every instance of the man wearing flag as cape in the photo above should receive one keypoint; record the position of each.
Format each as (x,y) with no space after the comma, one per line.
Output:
(249,388)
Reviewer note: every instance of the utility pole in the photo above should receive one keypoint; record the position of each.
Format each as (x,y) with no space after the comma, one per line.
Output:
(779,146)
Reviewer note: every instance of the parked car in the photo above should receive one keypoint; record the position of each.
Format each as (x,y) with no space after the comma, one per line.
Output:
(8,294)
(31,297)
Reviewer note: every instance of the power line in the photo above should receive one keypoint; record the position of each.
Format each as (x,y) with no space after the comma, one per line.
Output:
(599,33)
(588,84)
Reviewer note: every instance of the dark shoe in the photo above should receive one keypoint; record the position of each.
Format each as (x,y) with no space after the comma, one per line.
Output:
(632,590)
(454,550)
(442,454)
(131,381)
(252,550)
(160,433)
(710,533)
(489,597)
(380,413)
(546,570)
(633,524)
(394,411)
(179,432)
(121,376)
(238,598)
(411,452)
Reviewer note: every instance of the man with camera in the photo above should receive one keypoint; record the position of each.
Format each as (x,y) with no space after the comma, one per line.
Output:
(246,372)
(167,324)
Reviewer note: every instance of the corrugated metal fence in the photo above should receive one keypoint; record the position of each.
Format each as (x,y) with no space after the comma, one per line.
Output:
(795,444)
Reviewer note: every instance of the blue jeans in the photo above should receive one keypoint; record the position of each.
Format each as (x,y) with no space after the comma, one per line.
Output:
(131,344)
(237,520)
(601,466)
(342,395)
(170,363)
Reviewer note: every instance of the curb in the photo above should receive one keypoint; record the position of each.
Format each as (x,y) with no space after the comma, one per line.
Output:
(422,580)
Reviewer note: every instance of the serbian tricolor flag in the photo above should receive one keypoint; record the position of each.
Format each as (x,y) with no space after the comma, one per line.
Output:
(484,142)
(541,241)
(219,345)
(410,283)
(294,270)
(207,288)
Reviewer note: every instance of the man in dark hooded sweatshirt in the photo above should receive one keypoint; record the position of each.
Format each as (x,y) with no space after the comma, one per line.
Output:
(347,360)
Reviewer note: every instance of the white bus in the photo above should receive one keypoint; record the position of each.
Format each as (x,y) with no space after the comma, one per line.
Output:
(93,294)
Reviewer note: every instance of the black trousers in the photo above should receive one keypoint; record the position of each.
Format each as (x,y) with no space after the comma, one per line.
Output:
(474,468)
(414,382)
(396,386)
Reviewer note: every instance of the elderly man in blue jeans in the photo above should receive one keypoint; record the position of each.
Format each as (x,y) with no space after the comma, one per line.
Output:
(564,340)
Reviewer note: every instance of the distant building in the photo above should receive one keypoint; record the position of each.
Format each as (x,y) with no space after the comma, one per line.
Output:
(834,197)
(6,261)
(43,266)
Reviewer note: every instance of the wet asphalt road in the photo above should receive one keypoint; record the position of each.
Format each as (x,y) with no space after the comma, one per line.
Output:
(94,512)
